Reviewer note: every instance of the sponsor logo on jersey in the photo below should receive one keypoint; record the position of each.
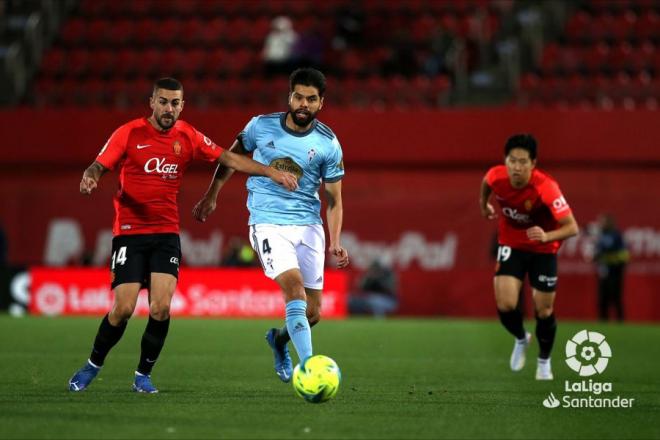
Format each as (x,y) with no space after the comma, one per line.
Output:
(158,165)
(288,165)
(177,148)
(559,204)
(141,146)
(209,142)
(513,214)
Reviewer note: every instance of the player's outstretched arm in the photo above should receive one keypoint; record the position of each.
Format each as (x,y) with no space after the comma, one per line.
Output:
(335,215)
(487,209)
(254,168)
(207,204)
(91,177)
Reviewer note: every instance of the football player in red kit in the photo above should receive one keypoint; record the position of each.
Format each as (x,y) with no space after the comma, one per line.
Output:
(534,218)
(151,155)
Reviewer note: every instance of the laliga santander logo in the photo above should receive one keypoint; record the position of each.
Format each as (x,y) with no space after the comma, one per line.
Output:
(587,353)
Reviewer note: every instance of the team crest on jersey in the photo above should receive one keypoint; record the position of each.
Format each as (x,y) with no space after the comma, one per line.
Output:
(528,205)
(311,154)
(177,148)
(288,165)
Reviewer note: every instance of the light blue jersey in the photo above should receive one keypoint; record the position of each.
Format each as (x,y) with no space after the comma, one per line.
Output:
(313,157)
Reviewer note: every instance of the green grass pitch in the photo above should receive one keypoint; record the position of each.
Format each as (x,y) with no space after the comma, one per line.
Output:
(401,379)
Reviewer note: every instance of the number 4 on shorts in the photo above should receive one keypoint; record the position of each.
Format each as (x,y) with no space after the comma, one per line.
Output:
(266,247)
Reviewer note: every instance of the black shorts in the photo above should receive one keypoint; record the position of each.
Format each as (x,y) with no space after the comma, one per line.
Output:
(541,268)
(135,257)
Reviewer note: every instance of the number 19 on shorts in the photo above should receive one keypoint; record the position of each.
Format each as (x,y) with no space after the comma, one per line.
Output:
(503,253)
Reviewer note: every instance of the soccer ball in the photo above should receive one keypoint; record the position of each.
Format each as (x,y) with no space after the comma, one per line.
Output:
(316,379)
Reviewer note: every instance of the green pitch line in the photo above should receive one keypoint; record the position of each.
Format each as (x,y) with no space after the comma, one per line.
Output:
(401,379)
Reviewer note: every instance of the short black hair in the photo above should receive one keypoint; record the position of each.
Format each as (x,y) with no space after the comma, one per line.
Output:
(168,84)
(524,141)
(308,76)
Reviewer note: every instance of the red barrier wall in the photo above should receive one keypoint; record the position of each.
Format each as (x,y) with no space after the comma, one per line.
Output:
(410,196)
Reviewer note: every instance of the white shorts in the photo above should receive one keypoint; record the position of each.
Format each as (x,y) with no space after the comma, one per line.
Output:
(284,247)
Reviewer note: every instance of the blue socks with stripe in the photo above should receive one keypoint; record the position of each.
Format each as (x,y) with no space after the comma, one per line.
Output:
(298,328)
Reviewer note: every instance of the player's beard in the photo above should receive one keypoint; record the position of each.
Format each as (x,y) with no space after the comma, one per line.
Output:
(302,122)
(164,122)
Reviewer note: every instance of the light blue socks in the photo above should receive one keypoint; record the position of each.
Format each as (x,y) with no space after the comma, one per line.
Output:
(298,328)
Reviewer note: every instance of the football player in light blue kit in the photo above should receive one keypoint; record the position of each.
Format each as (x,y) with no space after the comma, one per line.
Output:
(286,227)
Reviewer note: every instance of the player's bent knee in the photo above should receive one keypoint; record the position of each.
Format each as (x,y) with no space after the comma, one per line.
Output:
(159,311)
(544,312)
(121,313)
(505,306)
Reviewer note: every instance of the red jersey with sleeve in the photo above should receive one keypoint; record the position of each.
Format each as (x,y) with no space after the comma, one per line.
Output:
(540,203)
(151,164)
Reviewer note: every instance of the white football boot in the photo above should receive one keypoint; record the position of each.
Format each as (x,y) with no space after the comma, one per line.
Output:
(544,370)
(517,361)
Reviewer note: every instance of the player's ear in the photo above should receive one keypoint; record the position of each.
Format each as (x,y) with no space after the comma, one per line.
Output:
(151,102)
(182,103)
(321,103)
(533,163)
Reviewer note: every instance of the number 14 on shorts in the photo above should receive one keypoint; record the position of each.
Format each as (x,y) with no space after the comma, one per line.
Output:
(119,257)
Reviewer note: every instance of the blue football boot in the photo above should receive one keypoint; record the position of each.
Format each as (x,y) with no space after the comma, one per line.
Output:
(143,384)
(283,364)
(83,377)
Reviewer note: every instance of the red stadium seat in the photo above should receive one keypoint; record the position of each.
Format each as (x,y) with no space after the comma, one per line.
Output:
(623,26)
(641,57)
(172,62)
(146,31)
(149,64)
(191,30)
(127,62)
(620,56)
(194,62)
(595,57)
(102,62)
(647,25)
(52,64)
(169,32)
(549,63)
(73,32)
(577,26)
(77,63)
(121,32)
(570,59)
(97,32)
(214,31)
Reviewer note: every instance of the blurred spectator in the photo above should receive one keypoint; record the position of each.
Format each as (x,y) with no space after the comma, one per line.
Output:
(309,48)
(402,60)
(377,294)
(350,21)
(611,257)
(239,254)
(439,45)
(278,47)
